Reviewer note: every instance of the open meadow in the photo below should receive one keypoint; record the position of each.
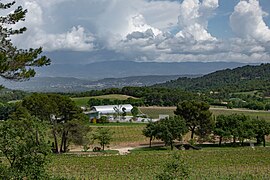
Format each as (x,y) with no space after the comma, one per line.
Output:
(208,163)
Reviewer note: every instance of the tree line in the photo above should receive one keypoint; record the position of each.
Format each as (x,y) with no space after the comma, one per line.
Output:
(195,117)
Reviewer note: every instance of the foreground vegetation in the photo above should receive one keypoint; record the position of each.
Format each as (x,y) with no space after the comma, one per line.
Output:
(218,163)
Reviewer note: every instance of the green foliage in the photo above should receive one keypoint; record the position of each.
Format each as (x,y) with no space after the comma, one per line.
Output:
(104,136)
(10,96)
(241,127)
(135,111)
(167,130)
(16,63)
(171,129)
(5,110)
(150,131)
(197,117)
(267,107)
(66,119)
(23,145)
(175,168)
(261,128)
(247,78)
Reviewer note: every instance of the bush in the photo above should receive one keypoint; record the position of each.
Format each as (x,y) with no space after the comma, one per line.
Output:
(175,168)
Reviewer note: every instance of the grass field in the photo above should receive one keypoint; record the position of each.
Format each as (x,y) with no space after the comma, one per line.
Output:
(154,112)
(218,163)
(82,101)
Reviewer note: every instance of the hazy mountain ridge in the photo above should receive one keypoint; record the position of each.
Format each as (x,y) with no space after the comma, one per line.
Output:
(244,78)
(119,69)
(65,84)
(79,77)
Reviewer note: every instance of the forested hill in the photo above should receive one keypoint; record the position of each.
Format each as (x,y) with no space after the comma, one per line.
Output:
(246,78)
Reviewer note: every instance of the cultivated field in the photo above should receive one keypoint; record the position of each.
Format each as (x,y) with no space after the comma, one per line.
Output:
(154,112)
(126,134)
(215,163)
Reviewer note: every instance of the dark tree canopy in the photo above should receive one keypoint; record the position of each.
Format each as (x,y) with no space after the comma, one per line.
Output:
(197,117)
(16,64)
(65,118)
(167,130)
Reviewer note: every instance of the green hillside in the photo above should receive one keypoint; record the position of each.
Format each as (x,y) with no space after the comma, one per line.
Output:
(246,78)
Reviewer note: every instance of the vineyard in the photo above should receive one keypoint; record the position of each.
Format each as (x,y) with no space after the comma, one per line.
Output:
(153,112)
(218,163)
(126,135)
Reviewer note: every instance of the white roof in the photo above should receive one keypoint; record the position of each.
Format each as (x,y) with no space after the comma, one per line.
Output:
(110,109)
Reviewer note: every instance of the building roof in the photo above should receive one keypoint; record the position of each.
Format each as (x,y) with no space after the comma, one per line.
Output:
(110,109)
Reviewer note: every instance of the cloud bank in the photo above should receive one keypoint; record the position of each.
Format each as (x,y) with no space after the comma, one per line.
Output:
(147,30)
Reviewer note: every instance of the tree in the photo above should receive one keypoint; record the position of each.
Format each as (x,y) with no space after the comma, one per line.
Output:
(261,129)
(5,110)
(150,131)
(104,136)
(267,107)
(61,113)
(26,155)
(171,129)
(197,117)
(15,64)
(103,119)
(236,126)
(222,128)
(124,113)
(135,112)
(118,110)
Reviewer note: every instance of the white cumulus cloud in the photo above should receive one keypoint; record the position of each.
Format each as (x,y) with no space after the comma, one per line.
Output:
(247,21)
(75,39)
(146,30)
(193,19)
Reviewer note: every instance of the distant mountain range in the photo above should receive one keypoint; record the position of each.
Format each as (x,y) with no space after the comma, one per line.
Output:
(119,69)
(246,78)
(66,84)
(101,75)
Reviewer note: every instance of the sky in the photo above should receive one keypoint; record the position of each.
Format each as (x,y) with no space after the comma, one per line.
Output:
(149,30)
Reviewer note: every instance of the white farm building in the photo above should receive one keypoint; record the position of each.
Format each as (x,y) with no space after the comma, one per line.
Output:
(98,111)
(111,109)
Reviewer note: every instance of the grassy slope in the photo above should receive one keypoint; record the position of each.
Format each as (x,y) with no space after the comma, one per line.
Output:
(218,163)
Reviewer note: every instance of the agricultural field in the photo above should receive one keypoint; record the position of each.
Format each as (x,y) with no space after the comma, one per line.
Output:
(125,134)
(82,101)
(208,163)
(154,112)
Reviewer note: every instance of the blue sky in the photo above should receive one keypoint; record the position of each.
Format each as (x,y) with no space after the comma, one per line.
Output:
(149,30)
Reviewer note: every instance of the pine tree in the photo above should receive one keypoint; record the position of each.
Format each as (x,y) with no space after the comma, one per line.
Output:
(16,64)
